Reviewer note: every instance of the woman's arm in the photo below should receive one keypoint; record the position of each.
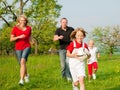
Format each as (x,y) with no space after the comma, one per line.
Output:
(14,38)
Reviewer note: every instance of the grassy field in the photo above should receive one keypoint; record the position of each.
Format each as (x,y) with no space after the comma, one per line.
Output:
(45,74)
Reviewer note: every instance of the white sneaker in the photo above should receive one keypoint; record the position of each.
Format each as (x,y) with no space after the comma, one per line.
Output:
(75,88)
(21,82)
(27,78)
(94,76)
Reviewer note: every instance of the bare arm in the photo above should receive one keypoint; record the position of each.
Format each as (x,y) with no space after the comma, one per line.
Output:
(87,53)
(88,56)
(98,55)
(56,37)
(14,38)
(71,55)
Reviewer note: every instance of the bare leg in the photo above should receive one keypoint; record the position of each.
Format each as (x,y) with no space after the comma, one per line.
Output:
(94,71)
(75,85)
(81,81)
(22,68)
(89,77)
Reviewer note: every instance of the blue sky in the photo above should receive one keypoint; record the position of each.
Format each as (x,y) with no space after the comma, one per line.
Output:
(90,13)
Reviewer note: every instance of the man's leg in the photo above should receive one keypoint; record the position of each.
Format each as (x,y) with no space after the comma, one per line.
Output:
(62,62)
(67,72)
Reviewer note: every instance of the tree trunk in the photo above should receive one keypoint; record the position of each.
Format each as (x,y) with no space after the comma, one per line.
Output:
(36,49)
(111,51)
(21,7)
(34,42)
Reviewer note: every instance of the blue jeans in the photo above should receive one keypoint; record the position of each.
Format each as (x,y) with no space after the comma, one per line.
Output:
(64,64)
(22,54)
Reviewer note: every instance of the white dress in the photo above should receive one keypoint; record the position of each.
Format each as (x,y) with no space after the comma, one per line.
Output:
(77,66)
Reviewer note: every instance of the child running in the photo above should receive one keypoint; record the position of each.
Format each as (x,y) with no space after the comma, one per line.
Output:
(92,61)
(78,52)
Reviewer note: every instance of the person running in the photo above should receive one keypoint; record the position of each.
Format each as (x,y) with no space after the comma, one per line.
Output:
(62,35)
(92,61)
(21,34)
(78,52)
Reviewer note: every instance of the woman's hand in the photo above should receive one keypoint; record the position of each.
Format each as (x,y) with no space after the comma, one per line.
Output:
(21,36)
(14,38)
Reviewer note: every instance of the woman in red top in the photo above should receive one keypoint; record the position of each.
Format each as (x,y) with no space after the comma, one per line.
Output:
(21,34)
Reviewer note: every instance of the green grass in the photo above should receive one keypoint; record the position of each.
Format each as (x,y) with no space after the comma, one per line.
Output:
(45,74)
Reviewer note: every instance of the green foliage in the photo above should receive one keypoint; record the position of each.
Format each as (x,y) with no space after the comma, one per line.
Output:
(42,19)
(5,45)
(42,16)
(107,38)
(45,74)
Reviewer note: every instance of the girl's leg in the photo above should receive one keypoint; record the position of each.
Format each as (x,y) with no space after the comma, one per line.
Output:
(95,66)
(75,79)
(75,85)
(94,71)
(89,78)
(81,81)
(89,71)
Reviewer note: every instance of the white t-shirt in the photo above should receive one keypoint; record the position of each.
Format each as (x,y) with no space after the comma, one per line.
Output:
(93,51)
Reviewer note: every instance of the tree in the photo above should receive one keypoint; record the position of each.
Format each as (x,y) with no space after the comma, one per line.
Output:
(6,47)
(42,16)
(10,10)
(107,37)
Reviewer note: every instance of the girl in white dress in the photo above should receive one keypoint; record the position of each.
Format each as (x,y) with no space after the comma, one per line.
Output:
(77,51)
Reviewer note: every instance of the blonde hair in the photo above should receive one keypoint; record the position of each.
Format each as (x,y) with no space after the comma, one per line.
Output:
(91,41)
(22,16)
(72,36)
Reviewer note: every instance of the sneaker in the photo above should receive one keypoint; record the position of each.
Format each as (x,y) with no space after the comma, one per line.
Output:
(75,88)
(94,76)
(27,78)
(21,82)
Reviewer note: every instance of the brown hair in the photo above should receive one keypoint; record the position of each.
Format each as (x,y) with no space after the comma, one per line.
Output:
(23,16)
(72,36)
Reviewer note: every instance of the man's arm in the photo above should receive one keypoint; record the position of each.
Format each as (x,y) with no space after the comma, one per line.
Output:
(56,37)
